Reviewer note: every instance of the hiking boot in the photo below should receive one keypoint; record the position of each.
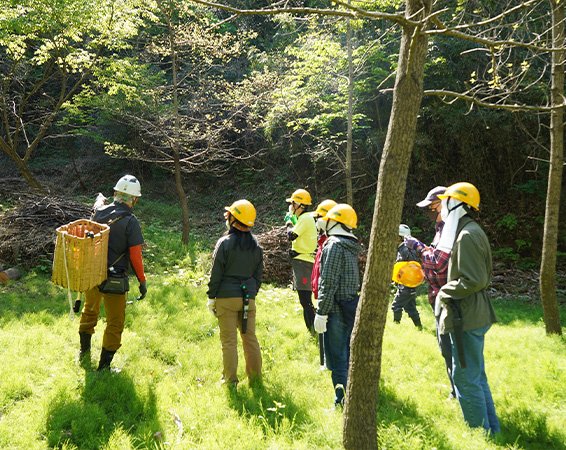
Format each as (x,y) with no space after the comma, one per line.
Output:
(85,344)
(105,359)
(340,395)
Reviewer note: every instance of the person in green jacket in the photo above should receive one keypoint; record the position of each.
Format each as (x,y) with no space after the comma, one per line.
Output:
(301,231)
(463,306)
(235,280)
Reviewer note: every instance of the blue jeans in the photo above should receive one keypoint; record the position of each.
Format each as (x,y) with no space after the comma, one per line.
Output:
(472,389)
(337,348)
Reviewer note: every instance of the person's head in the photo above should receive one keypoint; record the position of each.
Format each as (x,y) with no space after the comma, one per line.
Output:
(299,201)
(457,195)
(241,214)
(127,190)
(404,231)
(240,218)
(321,212)
(432,204)
(341,220)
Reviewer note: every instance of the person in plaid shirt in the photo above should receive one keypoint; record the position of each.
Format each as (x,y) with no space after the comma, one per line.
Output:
(435,266)
(338,288)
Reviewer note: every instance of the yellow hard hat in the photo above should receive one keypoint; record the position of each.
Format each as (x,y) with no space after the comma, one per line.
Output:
(408,273)
(324,206)
(243,211)
(465,192)
(300,196)
(344,214)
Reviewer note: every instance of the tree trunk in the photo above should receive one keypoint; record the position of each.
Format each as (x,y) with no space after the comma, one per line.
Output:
(548,296)
(349,138)
(177,164)
(360,424)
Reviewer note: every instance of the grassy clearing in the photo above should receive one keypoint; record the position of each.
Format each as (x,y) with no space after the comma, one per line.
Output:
(168,394)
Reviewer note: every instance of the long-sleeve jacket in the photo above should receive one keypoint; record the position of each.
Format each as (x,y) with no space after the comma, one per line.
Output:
(231,266)
(339,274)
(315,275)
(469,274)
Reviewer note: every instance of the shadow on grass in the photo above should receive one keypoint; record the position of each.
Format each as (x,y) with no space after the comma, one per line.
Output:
(529,430)
(109,403)
(403,421)
(519,312)
(271,406)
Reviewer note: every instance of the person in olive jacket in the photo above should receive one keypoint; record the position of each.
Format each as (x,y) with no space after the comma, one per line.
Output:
(463,305)
(235,279)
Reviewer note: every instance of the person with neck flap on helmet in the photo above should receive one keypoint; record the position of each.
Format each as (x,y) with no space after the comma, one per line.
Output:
(463,305)
(124,250)
(301,231)
(338,289)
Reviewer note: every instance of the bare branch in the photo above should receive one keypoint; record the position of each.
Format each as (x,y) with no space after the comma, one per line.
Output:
(480,102)
(352,13)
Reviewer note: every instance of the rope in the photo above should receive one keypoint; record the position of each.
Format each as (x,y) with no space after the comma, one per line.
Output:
(69,296)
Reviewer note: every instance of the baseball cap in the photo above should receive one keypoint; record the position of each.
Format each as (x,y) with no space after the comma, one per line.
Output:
(432,196)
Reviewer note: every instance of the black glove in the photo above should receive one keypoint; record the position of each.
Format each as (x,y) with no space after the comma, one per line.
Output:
(143,290)
(293,253)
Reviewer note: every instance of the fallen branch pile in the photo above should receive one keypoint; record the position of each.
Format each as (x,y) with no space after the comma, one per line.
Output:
(27,230)
(276,261)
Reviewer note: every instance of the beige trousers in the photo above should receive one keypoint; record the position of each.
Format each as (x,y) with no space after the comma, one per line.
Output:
(229,313)
(115,307)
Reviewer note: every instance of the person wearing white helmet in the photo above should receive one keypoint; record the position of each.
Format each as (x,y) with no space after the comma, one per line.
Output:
(406,296)
(124,249)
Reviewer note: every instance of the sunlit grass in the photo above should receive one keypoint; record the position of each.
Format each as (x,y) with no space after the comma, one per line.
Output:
(168,392)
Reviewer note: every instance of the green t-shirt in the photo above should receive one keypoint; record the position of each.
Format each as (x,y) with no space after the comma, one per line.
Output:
(305,244)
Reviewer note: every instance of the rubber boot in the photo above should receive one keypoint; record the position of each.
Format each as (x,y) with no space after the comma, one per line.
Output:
(417,321)
(105,359)
(85,344)
(397,316)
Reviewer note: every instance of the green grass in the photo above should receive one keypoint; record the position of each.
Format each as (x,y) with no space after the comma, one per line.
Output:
(168,393)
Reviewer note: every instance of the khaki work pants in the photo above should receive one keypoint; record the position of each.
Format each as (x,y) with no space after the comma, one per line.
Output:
(229,313)
(115,307)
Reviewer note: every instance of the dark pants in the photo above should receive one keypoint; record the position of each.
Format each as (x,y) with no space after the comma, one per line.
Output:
(337,344)
(308,308)
(405,299)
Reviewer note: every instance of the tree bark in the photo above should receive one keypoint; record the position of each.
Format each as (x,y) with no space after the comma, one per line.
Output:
(360,424)
(548,295)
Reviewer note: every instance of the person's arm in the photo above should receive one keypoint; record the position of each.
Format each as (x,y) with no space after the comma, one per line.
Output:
(258,273)
(435,259)
(136,260)
(218,264)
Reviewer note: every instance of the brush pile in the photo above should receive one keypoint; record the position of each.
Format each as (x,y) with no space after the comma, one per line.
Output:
(276,260)
(27,229)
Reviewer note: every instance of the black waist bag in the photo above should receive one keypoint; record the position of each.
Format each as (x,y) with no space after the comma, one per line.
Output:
(115,284)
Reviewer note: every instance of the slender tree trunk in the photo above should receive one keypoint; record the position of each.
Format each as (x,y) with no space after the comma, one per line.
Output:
(176,153)
(349,188)
(360,424)
(550,238)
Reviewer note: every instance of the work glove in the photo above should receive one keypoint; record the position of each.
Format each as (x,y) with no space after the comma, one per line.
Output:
(211,304)
(414,244)
(143,290)
(290,220)
(320,323)
(293,253)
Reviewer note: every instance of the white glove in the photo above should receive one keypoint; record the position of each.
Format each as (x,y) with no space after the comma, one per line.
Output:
(211,306)
(320,323)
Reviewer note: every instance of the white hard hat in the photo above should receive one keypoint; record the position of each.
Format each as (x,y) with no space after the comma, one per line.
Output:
(404,230)
(130,185)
